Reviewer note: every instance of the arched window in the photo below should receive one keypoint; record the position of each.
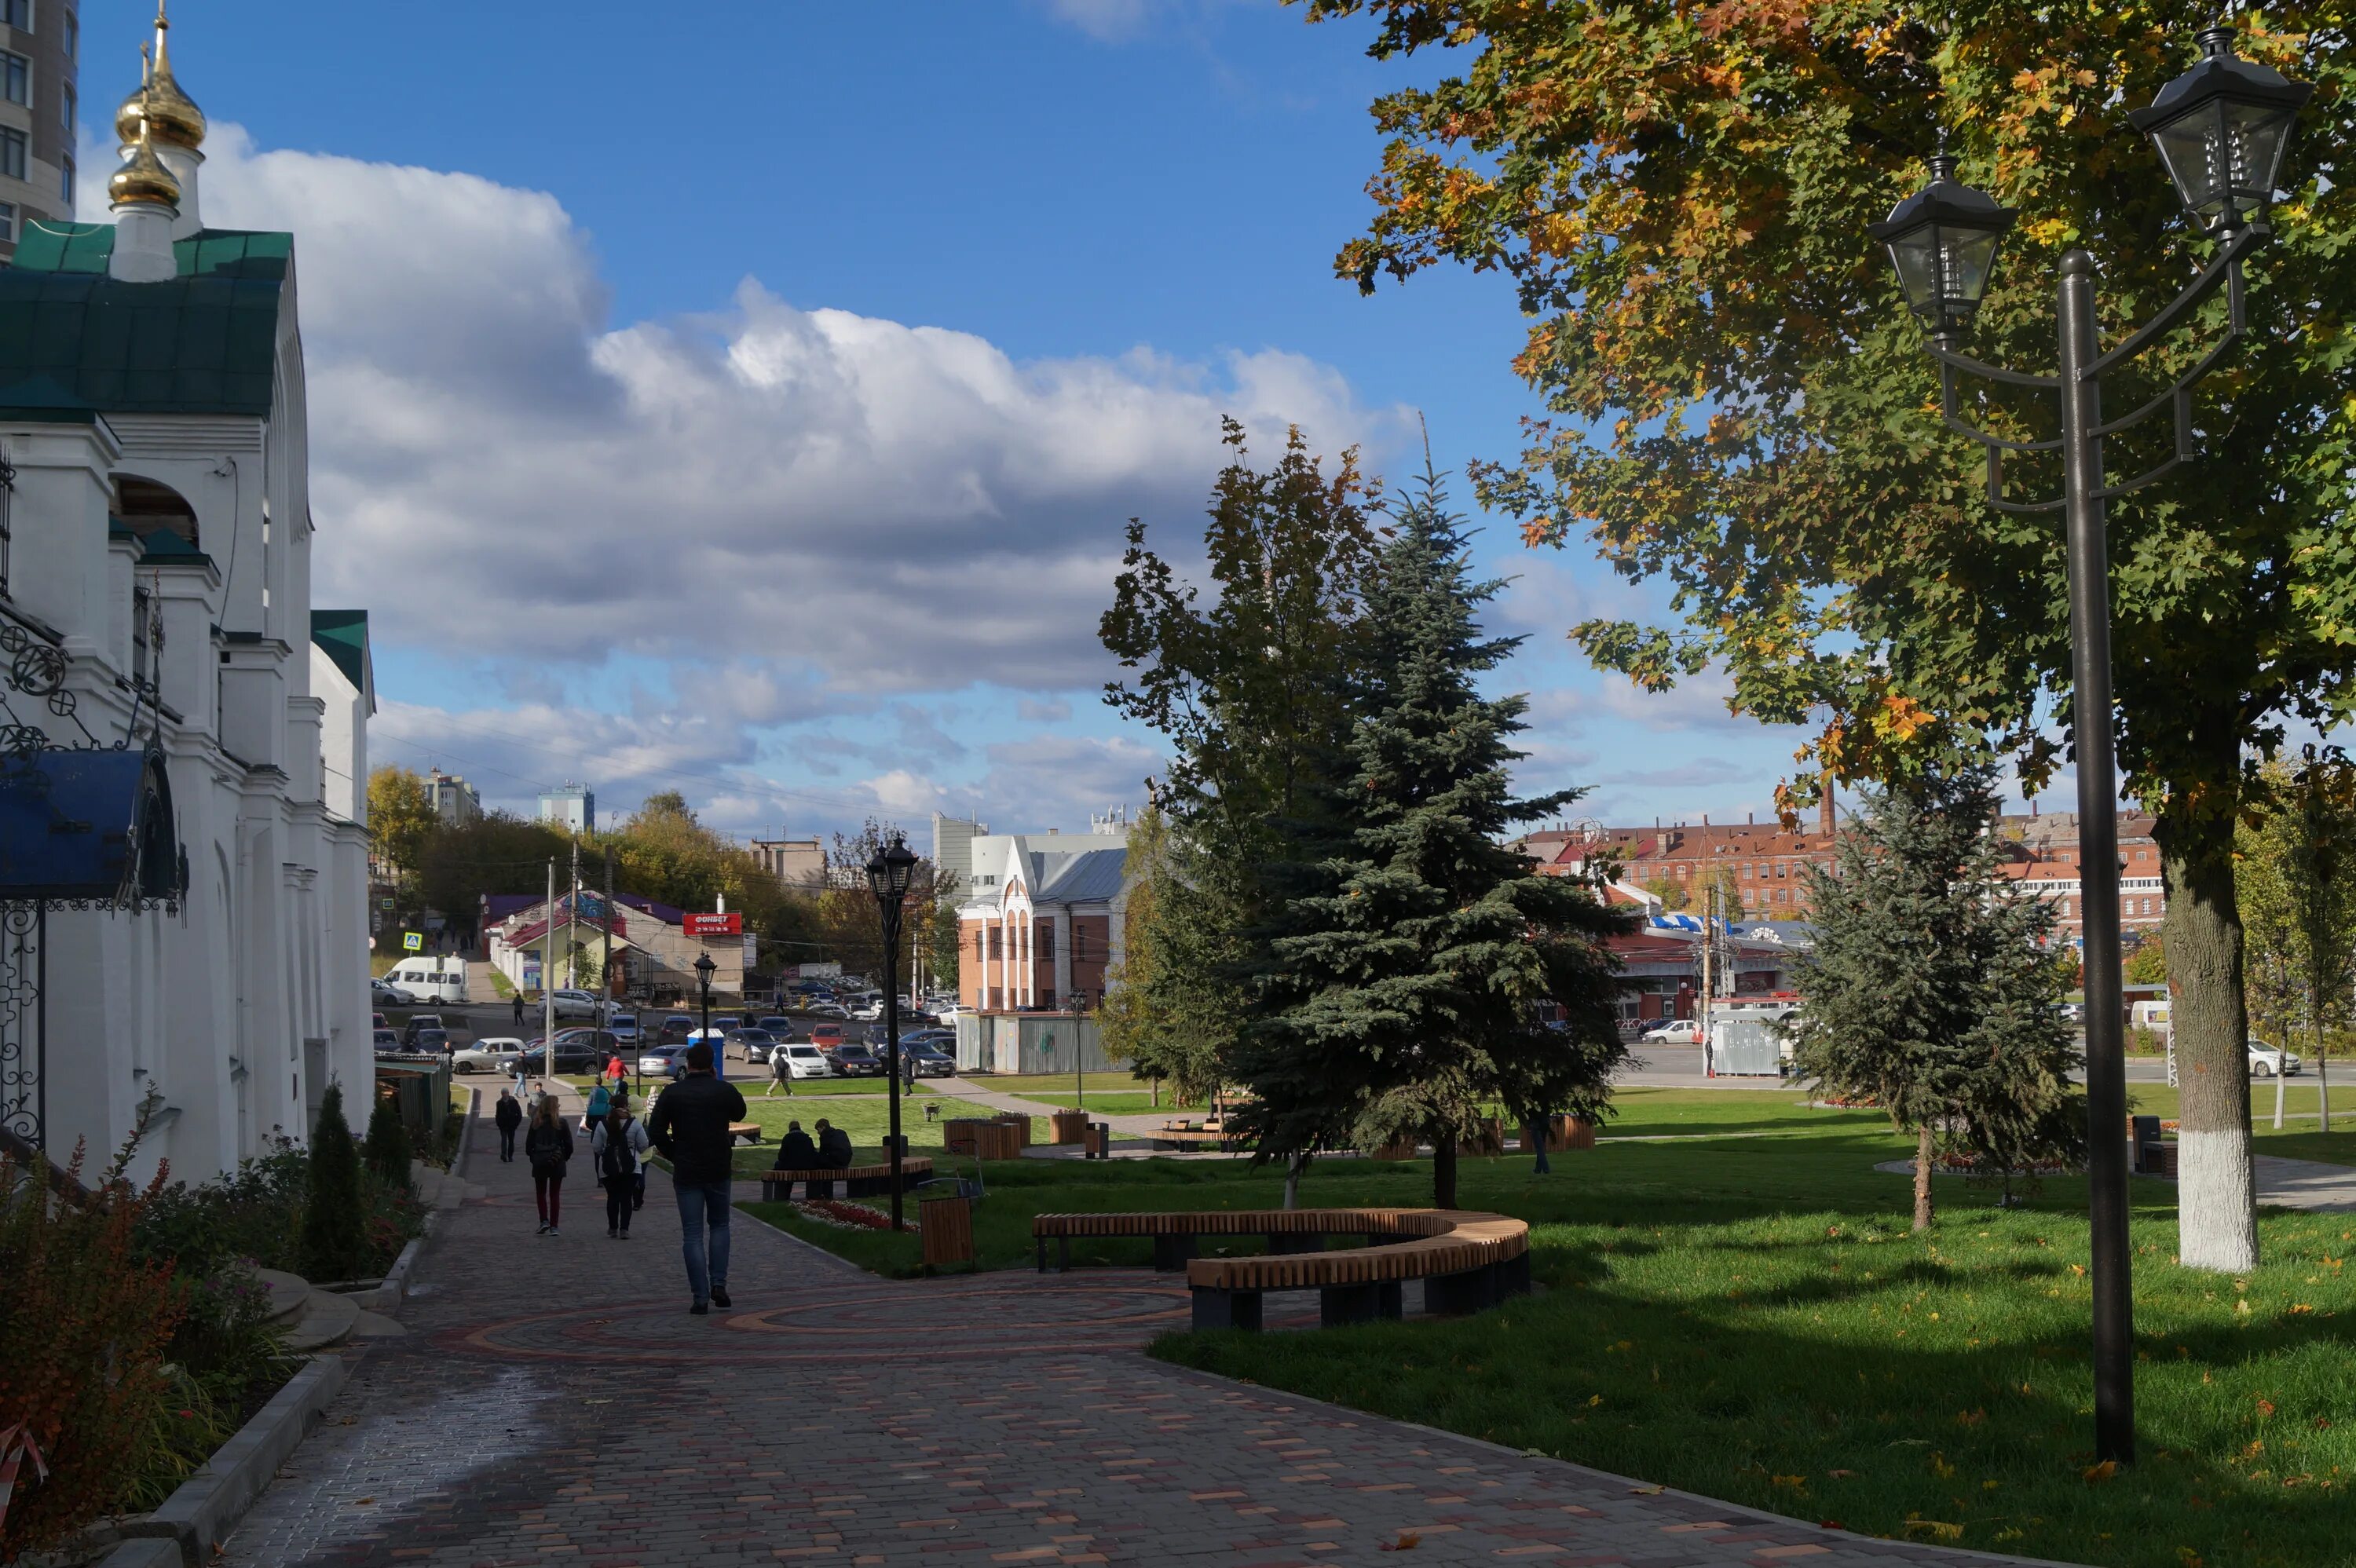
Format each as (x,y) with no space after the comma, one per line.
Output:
(158,513)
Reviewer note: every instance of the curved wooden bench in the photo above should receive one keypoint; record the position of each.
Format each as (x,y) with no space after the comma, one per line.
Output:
(1467,1260)
(750,1132)
(858,1180)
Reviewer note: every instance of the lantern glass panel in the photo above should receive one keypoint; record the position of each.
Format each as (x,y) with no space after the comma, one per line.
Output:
(2191,147)
(1915,255)
(1965,258)
(2255,135)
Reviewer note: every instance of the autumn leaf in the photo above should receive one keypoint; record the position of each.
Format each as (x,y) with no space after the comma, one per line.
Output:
(2096,1474)
(1407,1541)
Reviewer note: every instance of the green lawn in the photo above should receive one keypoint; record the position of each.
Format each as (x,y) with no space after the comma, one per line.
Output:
(1056,1089)
(1763,1291)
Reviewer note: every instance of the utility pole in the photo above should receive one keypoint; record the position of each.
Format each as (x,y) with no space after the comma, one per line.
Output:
(548,983)
(605,968)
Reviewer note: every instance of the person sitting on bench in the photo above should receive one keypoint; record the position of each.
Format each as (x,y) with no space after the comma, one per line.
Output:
(795,1151)
(833,1148)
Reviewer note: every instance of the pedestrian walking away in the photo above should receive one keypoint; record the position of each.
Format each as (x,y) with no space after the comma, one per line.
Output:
(548,1147)
(620,1146)
(518,1010)
(781,1071)
(508,1117)
(600,1103)
(690,1125)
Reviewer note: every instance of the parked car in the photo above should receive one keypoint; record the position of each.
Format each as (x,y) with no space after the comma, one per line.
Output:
(378,1020)
(931,1061)
(574,1004)
(418,1024)
(756,1043)
(827,1010)
(826,1037)
(1674,1031)
(488,1056)
(2265,1061)
(777,1024)
(727,1023)
(387,1043)
(806,1061)
(391,994)
(853,1060)
(867,1010)
(941,1037)
(601,1045)
(625,1027)
(571,1055)
(427,1042)
(665,1061)
(675,1030)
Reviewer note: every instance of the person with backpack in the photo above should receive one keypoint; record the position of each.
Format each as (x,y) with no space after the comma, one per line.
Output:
(600,1103)
(620,1146)
(508,1117)
(549,1147)
(781,1071)
(690,1125)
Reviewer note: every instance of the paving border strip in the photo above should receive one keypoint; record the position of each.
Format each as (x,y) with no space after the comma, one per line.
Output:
(209,1503)
(1836,1538)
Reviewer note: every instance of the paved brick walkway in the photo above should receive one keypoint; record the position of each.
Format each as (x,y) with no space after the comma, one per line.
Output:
(555,1403)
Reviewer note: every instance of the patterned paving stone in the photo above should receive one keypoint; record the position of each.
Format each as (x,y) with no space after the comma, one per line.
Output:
(554,1403)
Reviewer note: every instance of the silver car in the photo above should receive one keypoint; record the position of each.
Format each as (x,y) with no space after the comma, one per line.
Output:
(2265,1061)
(486,1056)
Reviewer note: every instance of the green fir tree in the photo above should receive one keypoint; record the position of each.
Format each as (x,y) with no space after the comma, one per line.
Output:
(1929,991)
(335,1235)
(1411,949)
(386,1152)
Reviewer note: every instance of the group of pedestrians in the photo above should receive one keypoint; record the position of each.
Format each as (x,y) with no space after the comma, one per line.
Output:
(689,1125)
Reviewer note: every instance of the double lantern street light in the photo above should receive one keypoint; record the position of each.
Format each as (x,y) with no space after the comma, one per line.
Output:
(889,872)
(2222,129)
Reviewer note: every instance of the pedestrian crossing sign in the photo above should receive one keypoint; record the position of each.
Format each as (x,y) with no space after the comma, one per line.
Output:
(412,941)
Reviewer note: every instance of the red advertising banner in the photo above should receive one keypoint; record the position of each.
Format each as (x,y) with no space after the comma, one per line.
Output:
(729,925)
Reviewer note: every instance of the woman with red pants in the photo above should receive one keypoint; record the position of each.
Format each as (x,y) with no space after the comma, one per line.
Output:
(549,1145)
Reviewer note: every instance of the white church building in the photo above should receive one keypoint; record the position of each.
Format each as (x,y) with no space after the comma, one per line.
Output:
(184,742)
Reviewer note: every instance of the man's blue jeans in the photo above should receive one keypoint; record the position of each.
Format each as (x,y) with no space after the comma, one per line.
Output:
(700,1207)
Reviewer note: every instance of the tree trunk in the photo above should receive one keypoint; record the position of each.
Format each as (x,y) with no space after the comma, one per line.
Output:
(2216,1214)
(1922,1178)
(2322,1082)
(1295,1169)
(2281,1084)
(1443,1168)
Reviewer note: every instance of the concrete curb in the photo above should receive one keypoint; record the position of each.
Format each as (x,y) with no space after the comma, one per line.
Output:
(145,1553)
(211,1502)
(1916,1552)
(396,1287)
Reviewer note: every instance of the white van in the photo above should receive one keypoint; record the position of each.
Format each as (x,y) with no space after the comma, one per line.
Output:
(431,979)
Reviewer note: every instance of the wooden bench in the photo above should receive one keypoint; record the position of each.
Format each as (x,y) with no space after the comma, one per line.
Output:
(1467,1260)
(750,1132)
(858,1180)
(1213,1134)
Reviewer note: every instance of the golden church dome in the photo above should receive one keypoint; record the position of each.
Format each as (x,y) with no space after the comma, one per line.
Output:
(159,103)
(143,179)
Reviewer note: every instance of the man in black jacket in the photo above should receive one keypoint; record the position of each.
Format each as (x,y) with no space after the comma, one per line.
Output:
(795,1150)
(507,1118)
(833,1148)
(690,1125)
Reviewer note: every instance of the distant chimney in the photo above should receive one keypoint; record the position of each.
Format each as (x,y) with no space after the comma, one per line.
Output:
(1825,811)
(1753,819)
(2033,807)
(1705,819)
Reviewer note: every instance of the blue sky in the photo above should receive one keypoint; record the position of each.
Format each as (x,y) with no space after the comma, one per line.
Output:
(596,566)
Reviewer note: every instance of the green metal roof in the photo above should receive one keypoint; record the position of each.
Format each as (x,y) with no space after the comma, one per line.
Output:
(342,634)
(203,343)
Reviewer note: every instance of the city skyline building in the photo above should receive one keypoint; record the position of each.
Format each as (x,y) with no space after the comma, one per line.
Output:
(571,806)
(39,82)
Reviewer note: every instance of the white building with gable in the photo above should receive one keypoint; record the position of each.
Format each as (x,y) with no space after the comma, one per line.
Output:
(184,762)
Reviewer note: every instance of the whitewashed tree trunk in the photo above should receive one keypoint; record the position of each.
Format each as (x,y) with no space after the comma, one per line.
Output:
(2281,1087)
(2216,1214)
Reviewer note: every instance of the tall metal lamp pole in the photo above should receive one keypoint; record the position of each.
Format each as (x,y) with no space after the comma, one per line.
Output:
(2221,128)
(703,968)
(889,871)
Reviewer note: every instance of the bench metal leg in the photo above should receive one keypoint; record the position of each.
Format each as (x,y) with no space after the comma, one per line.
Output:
(1473,1290)
(1514,1276)
(1297,1242)
(1340,1304)
(1042,1241)
(1063,1254)
(1226,1309)
(816,1188)
(1171,1253)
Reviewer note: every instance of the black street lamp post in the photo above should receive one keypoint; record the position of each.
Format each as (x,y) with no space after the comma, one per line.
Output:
(2221,128)
(889,872)
(703,968)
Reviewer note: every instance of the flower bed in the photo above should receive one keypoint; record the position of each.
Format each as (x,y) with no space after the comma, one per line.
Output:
(844,1215)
